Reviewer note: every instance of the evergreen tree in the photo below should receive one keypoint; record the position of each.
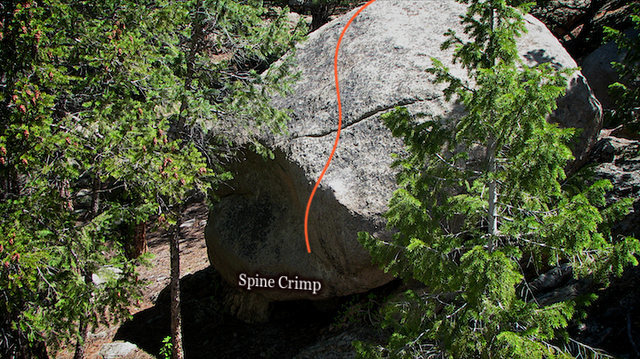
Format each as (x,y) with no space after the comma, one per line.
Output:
(115,112)
(227,43)
(484,206)
(50,245)
(321,10)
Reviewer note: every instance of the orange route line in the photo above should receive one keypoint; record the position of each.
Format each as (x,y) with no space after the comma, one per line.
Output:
(335,144)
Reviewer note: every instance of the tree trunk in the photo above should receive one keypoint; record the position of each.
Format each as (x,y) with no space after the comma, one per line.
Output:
(95,196)
(83,325)
(83,331)
(319,15)
(493,191)
(176,316)
(197,35)
(139,245)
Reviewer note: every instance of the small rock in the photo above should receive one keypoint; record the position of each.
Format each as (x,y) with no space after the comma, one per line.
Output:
(552,279)
(189,223)
(105,274)
(604,151)
(116,350)
(338,346)
(99,335)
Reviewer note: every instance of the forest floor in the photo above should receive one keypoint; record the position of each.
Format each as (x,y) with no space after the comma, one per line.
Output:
(300,329)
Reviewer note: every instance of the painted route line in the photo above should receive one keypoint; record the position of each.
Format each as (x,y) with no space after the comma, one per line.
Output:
(335,144)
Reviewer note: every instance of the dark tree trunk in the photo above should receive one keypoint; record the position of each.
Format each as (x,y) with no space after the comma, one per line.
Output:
(197,35)
(139,240)
(83,331)
(492,218)
(176,316)
(319,15)
(83,325)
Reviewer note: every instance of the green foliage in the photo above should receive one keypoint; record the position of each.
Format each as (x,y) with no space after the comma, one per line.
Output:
(626,92)
(115,112)
(321,10)
(167,348)
(359,309)
(482,207)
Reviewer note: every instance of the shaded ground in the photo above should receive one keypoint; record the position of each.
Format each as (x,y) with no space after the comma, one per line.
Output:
(210,332)
(613,320)
(304,329)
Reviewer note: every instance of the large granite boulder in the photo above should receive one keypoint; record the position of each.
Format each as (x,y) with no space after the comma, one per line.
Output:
(257,227)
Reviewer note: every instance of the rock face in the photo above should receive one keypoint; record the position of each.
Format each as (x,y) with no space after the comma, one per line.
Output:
(618,160)
(562,16)
(258,225)
(598,71)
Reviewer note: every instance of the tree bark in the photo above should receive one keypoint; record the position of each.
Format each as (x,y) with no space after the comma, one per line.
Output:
(176,316)
(83,325)
(493,191)
(83,331)
(95,196)
(319,15)
(138,244)
(197,35)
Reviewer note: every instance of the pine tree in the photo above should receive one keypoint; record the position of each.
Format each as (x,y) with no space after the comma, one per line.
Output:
(220,97)
(320,10)
(115,112)
(484,202)
(51,245)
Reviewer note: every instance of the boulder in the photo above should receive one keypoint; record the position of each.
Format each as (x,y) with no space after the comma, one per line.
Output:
(618,160)
(105,274)
(257,226)
(598,71)
(562,16)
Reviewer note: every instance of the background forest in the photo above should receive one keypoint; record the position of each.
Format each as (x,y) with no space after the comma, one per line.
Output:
(117,116)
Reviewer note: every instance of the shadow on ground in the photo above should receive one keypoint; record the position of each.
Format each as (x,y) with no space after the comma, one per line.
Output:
(210,332)
(613,320)
(305,329)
